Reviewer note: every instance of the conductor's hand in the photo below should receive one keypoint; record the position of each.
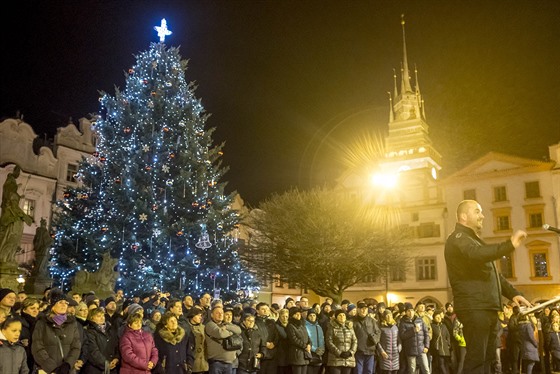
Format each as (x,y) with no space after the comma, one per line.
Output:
(518,237)
(520,300)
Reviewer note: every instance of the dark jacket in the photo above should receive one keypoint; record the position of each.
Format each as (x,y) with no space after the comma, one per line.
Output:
(529,344)
(173,351)
(367,332)
(267,329)
(48,338)
(413,341)
(440,344)
(101,348)
(475,282)
(282,347)
(298,341)
(27,327)
(253,343)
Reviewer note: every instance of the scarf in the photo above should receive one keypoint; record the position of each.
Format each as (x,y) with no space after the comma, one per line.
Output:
(59,319)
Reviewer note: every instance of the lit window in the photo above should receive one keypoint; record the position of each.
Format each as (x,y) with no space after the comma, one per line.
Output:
(540,265)
(71,171)
(29,207)
(538,260)
(506,266)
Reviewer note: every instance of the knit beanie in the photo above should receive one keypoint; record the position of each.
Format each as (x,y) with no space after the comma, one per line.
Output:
(4,292)
(133,308)
(294,310)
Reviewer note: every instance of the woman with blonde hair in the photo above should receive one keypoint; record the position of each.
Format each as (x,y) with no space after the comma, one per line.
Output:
(282,347)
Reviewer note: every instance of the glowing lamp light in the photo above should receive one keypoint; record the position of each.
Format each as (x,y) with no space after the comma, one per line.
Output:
(384,180)
(20,279)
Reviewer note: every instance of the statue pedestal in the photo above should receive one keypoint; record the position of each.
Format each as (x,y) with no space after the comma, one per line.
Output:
(8,274)
(37,284)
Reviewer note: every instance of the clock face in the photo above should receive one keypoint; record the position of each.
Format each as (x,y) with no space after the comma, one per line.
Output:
(434,173)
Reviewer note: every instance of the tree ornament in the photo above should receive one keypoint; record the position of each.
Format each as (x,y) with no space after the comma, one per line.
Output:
(143,217)
(169,182)
(145,148)
(204,241)
(165,168)
(130,71)
(196,262)
(135,246)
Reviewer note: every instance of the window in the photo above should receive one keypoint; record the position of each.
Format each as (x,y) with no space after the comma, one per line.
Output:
(502,223)
(532,189)
(506,266)
(397,274)
(71,172)
(29,207)
(469,194)
(535,220)
(538,260)
(278,282)
(428,230)
(502,219)
(500,193)
(534,216)
(426,268)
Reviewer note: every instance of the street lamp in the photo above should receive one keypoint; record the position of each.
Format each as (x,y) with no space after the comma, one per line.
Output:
(21,282)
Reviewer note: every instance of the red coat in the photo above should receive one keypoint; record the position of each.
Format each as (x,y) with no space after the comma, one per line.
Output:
(137,348)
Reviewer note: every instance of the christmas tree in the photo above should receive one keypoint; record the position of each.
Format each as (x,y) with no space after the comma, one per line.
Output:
(152,194)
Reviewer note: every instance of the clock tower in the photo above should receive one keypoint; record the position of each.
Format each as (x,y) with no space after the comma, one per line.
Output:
(408,148)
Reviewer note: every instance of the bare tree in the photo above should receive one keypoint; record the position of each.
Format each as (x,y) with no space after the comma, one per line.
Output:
(322,240)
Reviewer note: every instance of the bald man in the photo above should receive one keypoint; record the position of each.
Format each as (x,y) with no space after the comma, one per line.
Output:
(477,286)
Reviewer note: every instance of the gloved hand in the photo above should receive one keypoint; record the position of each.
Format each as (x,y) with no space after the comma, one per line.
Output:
(346,354)
(63,369)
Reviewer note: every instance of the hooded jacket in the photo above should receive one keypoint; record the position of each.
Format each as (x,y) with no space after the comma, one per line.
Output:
(13,358)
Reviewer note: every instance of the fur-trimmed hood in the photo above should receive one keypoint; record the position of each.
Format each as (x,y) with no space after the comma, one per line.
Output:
(172,338)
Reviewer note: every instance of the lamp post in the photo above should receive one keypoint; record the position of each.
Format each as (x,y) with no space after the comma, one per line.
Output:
(21,282)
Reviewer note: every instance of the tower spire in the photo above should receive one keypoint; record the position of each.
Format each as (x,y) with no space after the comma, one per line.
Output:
(405,75)
(396,93)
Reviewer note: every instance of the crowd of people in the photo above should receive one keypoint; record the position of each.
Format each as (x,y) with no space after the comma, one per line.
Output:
(155,333)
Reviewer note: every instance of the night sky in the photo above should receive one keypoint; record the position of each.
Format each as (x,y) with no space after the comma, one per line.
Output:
(291,83)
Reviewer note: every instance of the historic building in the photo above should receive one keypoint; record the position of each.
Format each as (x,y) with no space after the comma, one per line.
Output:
(515,193)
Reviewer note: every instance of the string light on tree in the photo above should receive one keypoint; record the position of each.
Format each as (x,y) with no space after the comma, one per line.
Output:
(155,188)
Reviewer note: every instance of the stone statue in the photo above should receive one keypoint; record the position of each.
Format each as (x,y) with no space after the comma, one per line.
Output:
(42,241)
(12,218)
(103,280)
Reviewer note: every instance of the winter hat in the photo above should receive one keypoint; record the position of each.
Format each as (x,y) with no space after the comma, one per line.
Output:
(448,304)
(5,292)
(194,311)
(360,305)
(337,312)
(408,306)
(134,308)
(345,302)
(294,310)
(351,307)
(110,299)
(311,311)
(56,295)
(89,299)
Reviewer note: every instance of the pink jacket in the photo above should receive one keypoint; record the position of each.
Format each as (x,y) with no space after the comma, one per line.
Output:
(137,348)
